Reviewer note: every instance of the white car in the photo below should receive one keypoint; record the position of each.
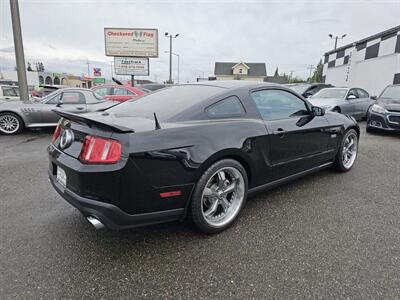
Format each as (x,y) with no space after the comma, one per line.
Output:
(9,92)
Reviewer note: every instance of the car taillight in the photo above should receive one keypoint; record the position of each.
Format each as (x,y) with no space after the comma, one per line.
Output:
(56,134)
(98,150)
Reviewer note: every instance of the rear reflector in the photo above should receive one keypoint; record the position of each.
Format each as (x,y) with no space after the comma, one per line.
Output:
(170,194)
(100,151)
(56,134)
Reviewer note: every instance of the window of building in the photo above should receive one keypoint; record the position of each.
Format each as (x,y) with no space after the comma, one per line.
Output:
(229,107)
(278,104)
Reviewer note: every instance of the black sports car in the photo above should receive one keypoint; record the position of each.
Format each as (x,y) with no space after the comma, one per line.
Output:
(385,113)
(195,149)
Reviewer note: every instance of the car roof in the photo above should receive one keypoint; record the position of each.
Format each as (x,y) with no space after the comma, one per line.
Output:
(233,84)
(74,89)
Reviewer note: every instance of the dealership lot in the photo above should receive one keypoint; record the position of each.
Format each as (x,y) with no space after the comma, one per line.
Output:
(326,235)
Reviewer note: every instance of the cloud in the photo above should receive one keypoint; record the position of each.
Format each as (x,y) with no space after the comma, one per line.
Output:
(288,34)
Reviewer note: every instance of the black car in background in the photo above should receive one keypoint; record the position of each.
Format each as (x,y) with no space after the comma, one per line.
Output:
(384,115)
(307,89)
(193,150)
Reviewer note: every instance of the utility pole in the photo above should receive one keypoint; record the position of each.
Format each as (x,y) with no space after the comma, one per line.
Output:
(19,51)
(88,68)
(170,36)
(336,38)
(177,55)
(291,75)
(311,68)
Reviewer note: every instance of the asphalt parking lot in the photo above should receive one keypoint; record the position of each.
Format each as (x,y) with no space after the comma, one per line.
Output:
(328,235)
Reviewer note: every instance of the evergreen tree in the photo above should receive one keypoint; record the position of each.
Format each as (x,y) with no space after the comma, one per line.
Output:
(276,72)
(317,76)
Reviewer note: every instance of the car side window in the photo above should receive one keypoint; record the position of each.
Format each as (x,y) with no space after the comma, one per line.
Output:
(278,104)
(362,93)
(229,107)
(352,92)
(55,99)
(73,98)
(130,93)
(120,92)
(102,91)
(9,92)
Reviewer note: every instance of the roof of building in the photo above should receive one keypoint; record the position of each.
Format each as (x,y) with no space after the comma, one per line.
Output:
(225,68)
(385,33)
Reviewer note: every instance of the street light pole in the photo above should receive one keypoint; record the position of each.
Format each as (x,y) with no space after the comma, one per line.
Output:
(170,36)
(336,38)
(177,55)
(19,50)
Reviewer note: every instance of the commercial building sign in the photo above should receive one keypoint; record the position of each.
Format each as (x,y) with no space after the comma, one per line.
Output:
(127,42)
(131,66)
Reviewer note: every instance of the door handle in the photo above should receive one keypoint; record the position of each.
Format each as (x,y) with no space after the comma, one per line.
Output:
(79,108)
(279,132)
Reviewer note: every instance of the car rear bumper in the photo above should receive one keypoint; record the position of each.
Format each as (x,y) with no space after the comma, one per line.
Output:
(110,215)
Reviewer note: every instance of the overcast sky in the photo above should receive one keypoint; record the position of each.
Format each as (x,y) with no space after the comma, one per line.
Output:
(288,34)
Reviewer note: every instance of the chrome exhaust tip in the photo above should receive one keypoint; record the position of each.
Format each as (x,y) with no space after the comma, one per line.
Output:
(95,222)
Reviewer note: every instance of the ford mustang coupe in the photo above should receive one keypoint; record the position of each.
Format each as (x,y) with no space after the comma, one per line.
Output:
(196,150)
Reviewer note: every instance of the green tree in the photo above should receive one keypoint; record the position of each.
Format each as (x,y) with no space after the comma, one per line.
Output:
(317,75)
(276,72)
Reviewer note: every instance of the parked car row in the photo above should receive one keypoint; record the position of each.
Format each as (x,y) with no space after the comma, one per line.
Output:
(17,115)
(382,113)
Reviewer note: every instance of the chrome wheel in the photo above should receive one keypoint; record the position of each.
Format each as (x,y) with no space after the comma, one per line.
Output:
(9,124)
(223,196)
(349,152)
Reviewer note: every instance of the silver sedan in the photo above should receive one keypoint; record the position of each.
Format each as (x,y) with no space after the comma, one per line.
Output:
(350,101)
(17,115)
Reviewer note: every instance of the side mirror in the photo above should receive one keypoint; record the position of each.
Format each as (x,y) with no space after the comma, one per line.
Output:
(351,97)
(318,111)
(307,95)
(374,98)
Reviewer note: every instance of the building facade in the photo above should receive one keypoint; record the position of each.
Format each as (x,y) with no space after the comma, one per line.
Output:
(240,71)
(371,63)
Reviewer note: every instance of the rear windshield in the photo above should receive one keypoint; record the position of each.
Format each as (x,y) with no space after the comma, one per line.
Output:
(300,88)
(331,93)
(167,102)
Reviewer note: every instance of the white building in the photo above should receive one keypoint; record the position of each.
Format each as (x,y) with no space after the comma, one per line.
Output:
(371,63)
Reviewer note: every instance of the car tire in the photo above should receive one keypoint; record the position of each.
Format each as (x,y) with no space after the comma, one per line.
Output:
(348,151)
(10,123)
(219,196)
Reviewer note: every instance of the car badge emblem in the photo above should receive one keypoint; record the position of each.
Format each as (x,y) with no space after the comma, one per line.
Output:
(67,137)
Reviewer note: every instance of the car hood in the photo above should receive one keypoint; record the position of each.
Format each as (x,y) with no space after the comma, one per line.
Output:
(389,104)
(323,102)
